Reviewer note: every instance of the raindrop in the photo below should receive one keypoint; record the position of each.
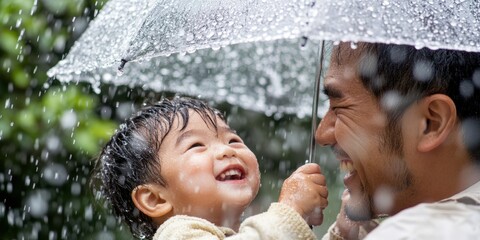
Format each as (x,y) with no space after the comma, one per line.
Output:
(55,174)
(27,181)
(2,209)
(397,54)
(383,199)
(391,100)
(189,37)
(121,180)
(68,119)
(466,88)
(37,202)
(52,235)
(105,235)
(471,133)
(76,189)
(96,87)
(210,33)
(191,49)
(7,103)
(368,65)
(423,71)
(453,23)
(11,218)
(353,45)
(89,213)
(53,143)
(476,78)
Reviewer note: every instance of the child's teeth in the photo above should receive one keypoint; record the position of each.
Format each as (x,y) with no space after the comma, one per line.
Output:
(230,174)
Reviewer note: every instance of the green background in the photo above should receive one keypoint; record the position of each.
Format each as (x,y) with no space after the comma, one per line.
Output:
(50,133)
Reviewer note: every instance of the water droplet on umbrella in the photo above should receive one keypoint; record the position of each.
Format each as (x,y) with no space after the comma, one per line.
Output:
(353,45)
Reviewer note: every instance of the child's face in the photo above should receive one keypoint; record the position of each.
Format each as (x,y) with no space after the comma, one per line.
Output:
(209,174)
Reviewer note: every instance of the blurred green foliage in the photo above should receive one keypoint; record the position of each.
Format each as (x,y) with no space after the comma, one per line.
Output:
(50,133)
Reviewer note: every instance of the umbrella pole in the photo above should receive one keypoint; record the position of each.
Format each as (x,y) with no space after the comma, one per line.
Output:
(311,156)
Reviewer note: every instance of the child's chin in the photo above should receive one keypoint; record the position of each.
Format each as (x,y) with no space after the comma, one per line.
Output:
(240,202)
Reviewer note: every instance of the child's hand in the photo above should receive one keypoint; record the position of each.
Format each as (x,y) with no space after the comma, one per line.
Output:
(305,191)
(349,229)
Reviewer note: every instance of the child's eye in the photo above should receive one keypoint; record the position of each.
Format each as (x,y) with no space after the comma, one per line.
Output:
(195,145)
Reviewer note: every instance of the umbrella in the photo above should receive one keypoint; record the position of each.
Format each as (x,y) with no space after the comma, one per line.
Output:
(253,75)
(140,31)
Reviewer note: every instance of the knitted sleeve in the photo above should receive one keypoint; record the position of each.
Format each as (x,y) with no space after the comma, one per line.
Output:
(280,222)
(186,227)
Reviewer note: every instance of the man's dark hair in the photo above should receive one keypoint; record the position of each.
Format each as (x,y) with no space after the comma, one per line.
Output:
(389,70)
(131,159)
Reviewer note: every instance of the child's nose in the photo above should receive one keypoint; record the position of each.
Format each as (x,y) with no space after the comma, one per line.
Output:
(225,151)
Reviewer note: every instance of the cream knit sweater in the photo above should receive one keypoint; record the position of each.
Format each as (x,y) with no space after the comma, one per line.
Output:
(279,222)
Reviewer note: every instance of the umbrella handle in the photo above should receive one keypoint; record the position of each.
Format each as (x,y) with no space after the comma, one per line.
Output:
(321,56)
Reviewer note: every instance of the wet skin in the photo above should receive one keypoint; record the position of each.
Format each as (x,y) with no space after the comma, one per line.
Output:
(210,174)
(354,127)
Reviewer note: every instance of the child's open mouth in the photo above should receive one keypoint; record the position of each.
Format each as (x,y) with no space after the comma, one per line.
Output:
(231,174)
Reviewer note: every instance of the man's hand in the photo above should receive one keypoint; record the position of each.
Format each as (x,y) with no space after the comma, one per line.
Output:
(305,191)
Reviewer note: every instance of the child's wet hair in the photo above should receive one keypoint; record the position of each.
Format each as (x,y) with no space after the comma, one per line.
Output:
(131,159)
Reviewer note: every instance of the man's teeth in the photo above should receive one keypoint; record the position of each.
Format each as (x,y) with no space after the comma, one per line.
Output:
(346,166)
(231,174)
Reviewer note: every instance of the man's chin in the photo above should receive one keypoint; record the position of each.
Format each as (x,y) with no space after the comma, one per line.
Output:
(358,210)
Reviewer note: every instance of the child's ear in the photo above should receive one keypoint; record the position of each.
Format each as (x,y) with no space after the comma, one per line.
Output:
(440,116)
(148,199)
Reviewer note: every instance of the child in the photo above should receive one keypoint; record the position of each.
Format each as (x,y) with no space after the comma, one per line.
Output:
(176,170)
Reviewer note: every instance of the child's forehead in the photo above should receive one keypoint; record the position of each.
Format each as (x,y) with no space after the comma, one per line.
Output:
(197,120)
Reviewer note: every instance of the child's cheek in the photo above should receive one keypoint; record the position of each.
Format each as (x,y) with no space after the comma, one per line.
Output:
(197,183)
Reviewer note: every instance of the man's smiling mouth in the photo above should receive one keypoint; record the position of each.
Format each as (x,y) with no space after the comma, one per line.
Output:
(346,166)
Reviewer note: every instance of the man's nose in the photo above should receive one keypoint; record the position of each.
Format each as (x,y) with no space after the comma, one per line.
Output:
(224,151)
(325,133)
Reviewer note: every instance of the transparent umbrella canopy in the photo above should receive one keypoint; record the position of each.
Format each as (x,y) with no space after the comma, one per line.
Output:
(248,52)
(271,76)
(447,24)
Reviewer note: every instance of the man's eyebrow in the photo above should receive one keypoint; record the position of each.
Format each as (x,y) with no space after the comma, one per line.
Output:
(332,92)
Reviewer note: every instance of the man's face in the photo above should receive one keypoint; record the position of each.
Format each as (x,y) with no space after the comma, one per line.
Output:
(210,174)
(354,127)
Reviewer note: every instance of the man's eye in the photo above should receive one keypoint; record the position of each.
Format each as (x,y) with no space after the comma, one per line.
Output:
(234,140)
(195,145)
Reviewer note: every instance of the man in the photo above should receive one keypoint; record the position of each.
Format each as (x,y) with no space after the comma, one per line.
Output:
(405,126)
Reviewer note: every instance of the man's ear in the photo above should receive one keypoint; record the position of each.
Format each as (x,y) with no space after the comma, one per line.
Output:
(150,201)
(440,116)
